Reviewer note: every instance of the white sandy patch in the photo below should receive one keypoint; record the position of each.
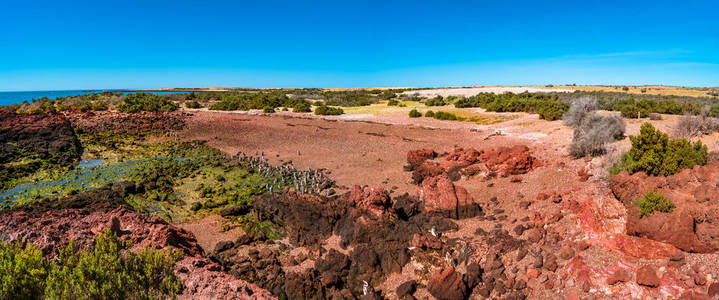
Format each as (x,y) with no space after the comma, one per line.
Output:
(473,91)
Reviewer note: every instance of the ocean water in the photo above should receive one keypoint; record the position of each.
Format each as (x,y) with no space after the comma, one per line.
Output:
(8,98)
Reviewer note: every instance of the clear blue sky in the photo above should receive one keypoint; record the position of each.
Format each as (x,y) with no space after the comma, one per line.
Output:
(143,44)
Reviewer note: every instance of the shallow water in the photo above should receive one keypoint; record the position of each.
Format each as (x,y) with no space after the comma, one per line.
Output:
(8,98)
(87,175)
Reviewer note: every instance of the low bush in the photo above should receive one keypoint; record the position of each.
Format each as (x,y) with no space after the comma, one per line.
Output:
(392,102)
(105,272)
(302,107)
(414,113)
(268,109)
(328,111)
(592,136)
(653,201)
(654,153)
(436,101)
(441,115)
(249,100)
(592,132)
(581,108)
(137,102)
(429,114)
(691,126)
(192,104)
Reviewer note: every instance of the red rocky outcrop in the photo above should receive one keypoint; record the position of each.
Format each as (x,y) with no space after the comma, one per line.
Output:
(47,137)
(132,123)
(374,200)
(442,196)
(693,225)
(417,157)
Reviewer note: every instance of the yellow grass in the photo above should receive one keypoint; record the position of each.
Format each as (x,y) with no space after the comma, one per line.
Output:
(469,114)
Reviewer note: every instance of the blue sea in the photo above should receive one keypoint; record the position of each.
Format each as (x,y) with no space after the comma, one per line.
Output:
(8,98)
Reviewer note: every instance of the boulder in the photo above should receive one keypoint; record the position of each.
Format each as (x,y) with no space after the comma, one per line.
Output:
(647,276)
(441,196)
(447,284)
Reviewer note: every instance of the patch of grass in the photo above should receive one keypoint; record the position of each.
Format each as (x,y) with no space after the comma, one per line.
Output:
(653,201)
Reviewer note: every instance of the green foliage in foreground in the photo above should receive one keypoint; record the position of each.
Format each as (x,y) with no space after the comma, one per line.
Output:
(138,102)
(105,272)
(328,111)
(654,153)
(653,201)
(414,113)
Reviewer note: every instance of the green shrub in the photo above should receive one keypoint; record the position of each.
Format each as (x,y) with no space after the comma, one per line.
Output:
(22,272)
(414,113)
(429,114)
(651,202)
(392,102)
(654,153)
(436,101)
(137,102)
(102,273)
(192,104)
(302,106)
(441,115)
(247,100)
(318,103)
(388,94)
(328,111)
(268,109)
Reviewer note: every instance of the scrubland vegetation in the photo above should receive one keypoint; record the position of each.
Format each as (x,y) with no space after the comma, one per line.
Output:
(653,152)
(104,272)
(592,132)
(138,102)
(324,110)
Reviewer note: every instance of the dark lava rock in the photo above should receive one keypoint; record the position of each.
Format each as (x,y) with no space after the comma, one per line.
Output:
(406,289)
(235,210)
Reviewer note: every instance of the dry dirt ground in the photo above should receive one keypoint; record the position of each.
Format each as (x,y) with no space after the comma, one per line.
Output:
(587,219)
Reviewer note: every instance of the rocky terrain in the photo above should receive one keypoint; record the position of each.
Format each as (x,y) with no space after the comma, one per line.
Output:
(407,212)
(29,143)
